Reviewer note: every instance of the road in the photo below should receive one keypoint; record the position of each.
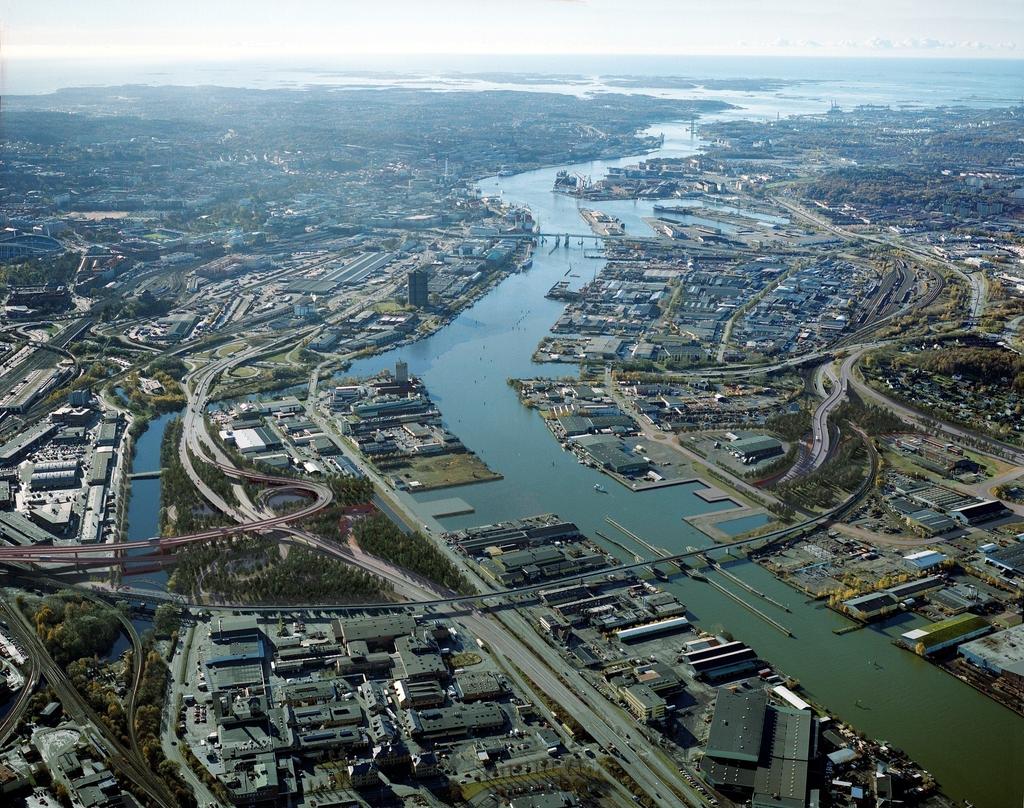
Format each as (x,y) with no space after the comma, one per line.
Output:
(17,710)
(534,658)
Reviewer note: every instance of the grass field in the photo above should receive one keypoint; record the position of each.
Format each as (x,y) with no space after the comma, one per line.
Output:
(443,471)
(244,372)
(230,349)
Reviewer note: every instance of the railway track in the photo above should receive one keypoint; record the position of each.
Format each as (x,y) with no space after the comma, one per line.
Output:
(135,769)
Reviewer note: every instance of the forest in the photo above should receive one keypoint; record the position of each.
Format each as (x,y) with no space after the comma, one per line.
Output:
(73,627)
(379,536)
(254,570)
(980,364)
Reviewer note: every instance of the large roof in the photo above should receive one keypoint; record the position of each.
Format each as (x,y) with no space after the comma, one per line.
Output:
(738,726)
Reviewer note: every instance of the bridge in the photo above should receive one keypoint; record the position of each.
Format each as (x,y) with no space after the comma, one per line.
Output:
(152,474)
(149,550)
(494,598)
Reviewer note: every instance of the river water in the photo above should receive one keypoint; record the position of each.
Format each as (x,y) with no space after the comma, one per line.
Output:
(144,502)
(973,745)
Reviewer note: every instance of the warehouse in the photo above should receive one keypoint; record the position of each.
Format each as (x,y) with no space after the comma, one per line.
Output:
(16,529)
(607,454)
(980,512)
(924,559)
(56,465)
(652,630)
(758,751)
(1009,559)
(100,468)
(16,449)
(108,434)
(945,634)
(254,441)
(871,606)
(720,661)
(48,480)
(756,449)
(997,653)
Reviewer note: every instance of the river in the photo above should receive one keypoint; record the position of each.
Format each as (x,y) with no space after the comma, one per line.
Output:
(144,501)
(973,745)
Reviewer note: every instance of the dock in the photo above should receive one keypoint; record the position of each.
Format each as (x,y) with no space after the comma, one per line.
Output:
(739,582)
(749,607)
(643,543)
(636,556)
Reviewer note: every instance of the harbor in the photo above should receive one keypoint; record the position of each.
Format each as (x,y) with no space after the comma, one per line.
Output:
(494,341)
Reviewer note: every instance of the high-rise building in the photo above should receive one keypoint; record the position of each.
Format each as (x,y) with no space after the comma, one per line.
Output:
(419,280)
(401,372)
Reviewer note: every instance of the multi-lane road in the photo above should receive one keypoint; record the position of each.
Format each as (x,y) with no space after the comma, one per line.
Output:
(509,637)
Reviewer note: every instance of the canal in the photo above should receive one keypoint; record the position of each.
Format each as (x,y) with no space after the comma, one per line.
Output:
(144,499)
(973,745)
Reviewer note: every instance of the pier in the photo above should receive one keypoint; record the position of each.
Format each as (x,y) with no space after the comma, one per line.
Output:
(718,567)
(749,607)
(636,556)
(715,565)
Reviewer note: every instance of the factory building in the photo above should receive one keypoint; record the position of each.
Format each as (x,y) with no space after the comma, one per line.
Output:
(945,634)
(756,449)
(759,752)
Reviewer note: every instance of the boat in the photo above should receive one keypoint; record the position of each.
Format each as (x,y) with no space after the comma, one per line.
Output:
(600,488)
(659,573)
(527,263)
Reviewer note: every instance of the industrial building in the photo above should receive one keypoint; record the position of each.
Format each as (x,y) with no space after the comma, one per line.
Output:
(715,660)
(924,559)
(758,751)
(979,512)
(607,453)
(644,704)
(1002,652)
(945,633)
(651,630)
(871,606)
(1009,559)
(756,449)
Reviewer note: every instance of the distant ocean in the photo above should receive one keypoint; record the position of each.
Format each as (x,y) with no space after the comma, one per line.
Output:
(811,84)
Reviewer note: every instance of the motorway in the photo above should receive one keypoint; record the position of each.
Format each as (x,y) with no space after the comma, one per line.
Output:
(509,637)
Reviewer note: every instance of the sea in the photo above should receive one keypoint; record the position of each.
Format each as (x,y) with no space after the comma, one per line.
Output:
(790,85)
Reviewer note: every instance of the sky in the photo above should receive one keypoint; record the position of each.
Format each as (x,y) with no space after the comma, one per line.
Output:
(185,30)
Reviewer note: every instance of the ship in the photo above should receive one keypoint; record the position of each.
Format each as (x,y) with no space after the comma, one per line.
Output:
(659,573)
(566,183)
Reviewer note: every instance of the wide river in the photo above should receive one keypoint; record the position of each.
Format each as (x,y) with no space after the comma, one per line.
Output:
(972,744)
